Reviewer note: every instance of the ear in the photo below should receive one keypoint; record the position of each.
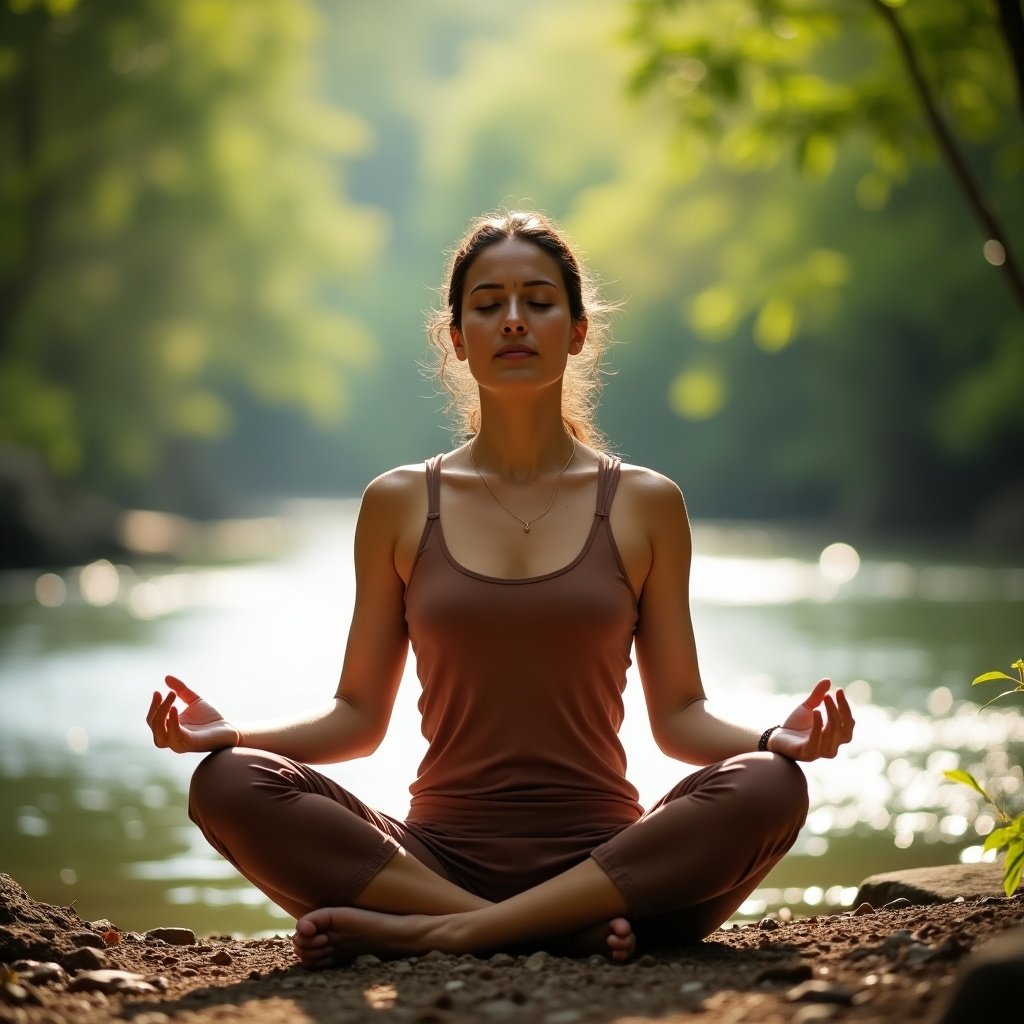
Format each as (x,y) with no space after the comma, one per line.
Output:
(456,336)
(579,336)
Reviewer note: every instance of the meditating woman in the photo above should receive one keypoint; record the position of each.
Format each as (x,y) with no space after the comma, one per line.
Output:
(523,567)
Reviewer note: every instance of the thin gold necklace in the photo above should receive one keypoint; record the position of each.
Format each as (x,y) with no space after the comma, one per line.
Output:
(527,523)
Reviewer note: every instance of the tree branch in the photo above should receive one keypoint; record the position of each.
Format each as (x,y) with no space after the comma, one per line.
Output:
(1011,17)
(962,172)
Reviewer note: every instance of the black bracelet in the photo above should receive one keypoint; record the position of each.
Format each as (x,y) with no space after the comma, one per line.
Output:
(762,743)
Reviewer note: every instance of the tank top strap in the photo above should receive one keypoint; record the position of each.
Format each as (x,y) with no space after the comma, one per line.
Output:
(434,486)
(607,482)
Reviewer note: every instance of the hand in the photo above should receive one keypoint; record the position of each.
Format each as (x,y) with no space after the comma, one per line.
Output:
(804,737)
(199,728)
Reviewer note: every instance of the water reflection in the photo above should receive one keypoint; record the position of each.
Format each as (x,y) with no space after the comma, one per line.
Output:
(90,811)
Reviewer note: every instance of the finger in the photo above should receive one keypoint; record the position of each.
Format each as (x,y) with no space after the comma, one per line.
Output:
(819,691)
(187,695)
(158,724)
(177,740)
(848,719)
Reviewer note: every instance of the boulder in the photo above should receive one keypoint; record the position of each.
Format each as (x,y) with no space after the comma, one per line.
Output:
(922,886)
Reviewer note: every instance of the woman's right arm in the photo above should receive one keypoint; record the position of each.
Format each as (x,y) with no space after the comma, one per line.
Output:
(356,720)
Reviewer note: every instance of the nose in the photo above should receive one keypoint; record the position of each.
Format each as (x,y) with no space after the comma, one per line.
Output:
(513,322)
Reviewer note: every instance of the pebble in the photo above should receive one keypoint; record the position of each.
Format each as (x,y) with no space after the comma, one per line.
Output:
(401,967)
(563,1017)
(536,962)
(896,941)
(366,960)
(790,973)
(174,936)
(498,1008)
(814,1012)
(817,991)
(87,939)
(37,973)
(900,903)
(115,982)
(222,957)
(454,985)
(85,958)
(689,988)
(646,960)
(863,910)
(501,960)
(768,924)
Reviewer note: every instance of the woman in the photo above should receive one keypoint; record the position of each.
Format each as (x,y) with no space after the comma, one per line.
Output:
(522,567)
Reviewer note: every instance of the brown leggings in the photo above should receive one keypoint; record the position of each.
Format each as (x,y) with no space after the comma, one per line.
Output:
(683,868)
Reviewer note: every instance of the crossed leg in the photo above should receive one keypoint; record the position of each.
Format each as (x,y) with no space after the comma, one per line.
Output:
(342,855)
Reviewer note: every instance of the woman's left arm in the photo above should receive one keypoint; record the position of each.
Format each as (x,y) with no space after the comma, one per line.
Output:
(666,654)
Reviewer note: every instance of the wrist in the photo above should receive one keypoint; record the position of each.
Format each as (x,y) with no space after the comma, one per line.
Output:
(762,743)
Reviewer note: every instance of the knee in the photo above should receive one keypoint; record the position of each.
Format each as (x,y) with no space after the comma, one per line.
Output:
(782,787)
(217,783)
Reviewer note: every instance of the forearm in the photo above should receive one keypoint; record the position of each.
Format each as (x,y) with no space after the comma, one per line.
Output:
(337,731)
(694,735)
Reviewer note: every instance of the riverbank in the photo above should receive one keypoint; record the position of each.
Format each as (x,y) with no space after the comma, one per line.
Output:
(895,963)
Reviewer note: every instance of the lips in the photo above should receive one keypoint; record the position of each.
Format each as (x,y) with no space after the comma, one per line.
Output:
(516,350)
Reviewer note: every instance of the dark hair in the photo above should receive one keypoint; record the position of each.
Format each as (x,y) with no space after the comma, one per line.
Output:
(582,384)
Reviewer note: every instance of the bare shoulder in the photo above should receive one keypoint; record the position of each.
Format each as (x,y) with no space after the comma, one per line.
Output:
(651,496)
(392,515)
(396,488)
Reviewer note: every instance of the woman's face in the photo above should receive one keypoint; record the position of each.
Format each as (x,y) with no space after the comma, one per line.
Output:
(516,322)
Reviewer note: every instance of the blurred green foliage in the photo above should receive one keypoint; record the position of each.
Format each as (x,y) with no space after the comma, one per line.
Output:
(819,338)
(174,217)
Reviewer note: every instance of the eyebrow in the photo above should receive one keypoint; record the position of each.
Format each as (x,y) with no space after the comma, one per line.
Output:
(500,287)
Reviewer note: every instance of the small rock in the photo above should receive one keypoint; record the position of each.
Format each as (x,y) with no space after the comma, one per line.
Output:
(85,958)
(113,982)
(498,1007)
(501,960)
(87,939)
(900,903)
(896,941)
(917,953)
(37,973)
(817,991)
(401,967)
(454,985)
(863,910)
(768,924)
(690,988)
(596,960)
(790,973)
(222,958)
(367,960)
(563,1017)
(173,936)
(435,954)
(646,960)
(536,961)
(813,1013)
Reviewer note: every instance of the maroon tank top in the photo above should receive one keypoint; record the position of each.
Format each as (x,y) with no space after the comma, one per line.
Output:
(522,682)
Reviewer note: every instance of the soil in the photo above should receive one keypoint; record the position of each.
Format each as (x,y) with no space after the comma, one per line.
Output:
(898,963)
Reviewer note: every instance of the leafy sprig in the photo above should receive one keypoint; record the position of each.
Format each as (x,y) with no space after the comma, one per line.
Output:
(1010,836)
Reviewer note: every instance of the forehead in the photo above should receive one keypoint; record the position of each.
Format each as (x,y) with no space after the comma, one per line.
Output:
(511,261)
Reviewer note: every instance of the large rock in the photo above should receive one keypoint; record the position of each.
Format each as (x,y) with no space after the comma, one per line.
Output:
(933,885)
(988,983)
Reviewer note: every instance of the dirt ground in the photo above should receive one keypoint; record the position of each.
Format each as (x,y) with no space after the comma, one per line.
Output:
(895,964)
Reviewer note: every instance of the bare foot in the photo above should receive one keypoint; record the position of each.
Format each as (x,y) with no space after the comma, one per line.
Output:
(336,935)
(614,939)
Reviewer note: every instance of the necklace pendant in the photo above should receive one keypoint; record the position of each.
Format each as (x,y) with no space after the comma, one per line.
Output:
(526,527)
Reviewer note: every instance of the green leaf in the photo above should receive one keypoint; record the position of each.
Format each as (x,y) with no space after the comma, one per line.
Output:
(988,677)
(1014,867)
(1000,837)
(968,780)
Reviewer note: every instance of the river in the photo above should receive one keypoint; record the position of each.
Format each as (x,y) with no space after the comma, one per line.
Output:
(92,814)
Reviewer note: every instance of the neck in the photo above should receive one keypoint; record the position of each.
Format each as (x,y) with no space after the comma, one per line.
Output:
(521,443)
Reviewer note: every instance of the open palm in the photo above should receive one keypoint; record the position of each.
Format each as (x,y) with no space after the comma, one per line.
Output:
(805,736)
(200,727)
